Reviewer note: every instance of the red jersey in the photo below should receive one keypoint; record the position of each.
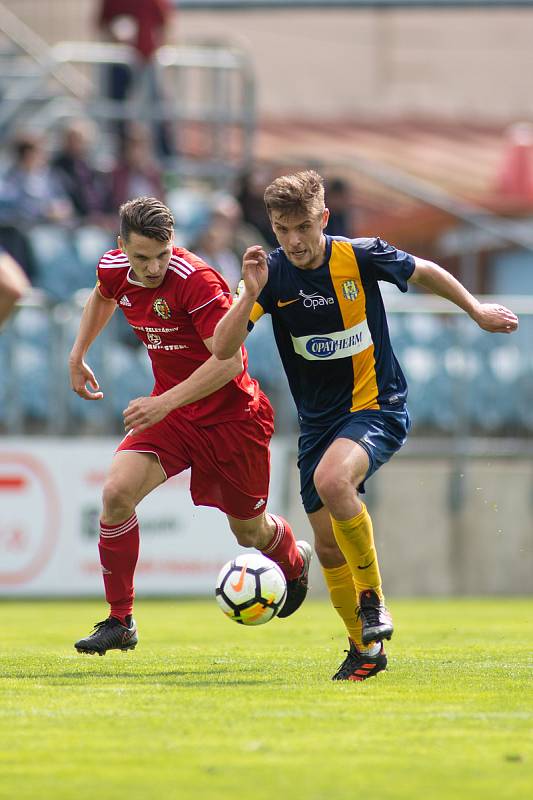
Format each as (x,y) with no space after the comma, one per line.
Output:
(172,321)
(150,17)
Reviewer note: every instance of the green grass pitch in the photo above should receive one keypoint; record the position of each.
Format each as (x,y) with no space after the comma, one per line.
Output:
(208,709)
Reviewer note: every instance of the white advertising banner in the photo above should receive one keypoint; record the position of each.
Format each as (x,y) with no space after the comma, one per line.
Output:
(50,492)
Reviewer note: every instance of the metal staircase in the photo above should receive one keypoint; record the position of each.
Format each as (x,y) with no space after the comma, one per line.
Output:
(208,88)
(30,77)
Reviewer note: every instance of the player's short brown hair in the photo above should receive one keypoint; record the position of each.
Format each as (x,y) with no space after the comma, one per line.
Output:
(148,217)
(294,195)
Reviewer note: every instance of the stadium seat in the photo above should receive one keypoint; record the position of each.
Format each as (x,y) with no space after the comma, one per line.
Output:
(131,375)
(191,211)
(31,360)
(423,329)
(524,399)
(506,366)
(80,411)
(57,263)
(33,381)
(91,243)
(264,362)
(4,370)
(427,400)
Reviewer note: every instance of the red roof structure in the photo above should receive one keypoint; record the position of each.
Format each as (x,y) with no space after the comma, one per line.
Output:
(396,168)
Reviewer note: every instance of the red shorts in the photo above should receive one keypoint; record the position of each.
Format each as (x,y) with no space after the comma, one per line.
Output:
(229,461)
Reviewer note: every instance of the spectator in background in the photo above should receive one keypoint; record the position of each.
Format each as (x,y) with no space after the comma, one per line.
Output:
(250,197)
(225,237)
(214,247)
(136,173)
(79,179)
(13,285)
(140,24)
(244,234)
(30,194)
(338,198)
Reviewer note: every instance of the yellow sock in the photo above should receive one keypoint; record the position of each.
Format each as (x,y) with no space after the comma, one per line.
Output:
(343,597)
(356,541)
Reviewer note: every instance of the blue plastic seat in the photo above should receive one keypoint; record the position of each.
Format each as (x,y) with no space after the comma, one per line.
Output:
(428,386)
(131,374)
(191,209)
(90,244)
(4,361)
(57,263)
(31,359)
(264,362)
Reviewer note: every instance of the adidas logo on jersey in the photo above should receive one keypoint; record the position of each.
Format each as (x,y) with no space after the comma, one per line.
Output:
(259,504)
(124,301)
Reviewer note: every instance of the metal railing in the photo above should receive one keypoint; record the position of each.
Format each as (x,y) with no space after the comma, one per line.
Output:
(211,87)
(464,383)
(208,86)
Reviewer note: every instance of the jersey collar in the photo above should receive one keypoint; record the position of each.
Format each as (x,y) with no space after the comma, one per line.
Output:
(132,280)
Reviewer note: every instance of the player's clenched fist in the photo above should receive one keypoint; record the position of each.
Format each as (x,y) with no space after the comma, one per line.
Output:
(495,318)
(144,412)
(254,269)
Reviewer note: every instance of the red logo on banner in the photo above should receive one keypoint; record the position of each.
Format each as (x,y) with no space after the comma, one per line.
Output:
(29,518)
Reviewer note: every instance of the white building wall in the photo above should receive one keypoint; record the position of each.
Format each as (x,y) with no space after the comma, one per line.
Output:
(451,63)
(431,539)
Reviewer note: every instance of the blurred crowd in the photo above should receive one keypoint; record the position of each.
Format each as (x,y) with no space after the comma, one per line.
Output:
(55,185)
(60,191)
(63,188)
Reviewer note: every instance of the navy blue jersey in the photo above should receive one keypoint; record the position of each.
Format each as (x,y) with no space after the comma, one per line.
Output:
(331,329)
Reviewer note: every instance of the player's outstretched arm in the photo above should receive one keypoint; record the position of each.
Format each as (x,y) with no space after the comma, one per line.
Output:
(96,314)
(212,375)
(490,317)
(13,285)
(232,329)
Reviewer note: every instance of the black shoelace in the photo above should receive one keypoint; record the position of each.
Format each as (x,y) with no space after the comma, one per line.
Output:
(105,623)
(346,668)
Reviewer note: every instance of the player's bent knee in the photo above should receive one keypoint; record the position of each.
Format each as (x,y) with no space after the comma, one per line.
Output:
(117,499)
(332,488)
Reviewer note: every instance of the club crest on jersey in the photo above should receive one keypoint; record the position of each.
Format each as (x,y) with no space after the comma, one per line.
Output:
(350,290)
(161,308)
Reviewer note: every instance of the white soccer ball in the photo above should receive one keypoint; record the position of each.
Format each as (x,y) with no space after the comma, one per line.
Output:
(251,589)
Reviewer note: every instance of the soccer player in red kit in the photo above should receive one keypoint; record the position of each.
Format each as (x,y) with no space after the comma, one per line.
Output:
(203,414)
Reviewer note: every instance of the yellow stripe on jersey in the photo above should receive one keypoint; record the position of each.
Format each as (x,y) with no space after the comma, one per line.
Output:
(256,312)
(351,296)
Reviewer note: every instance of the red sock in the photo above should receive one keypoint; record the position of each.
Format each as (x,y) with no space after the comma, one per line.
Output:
(119,550)
(282,549)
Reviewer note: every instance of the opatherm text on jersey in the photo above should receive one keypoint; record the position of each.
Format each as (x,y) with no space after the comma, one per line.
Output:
(331,329)
(340,344)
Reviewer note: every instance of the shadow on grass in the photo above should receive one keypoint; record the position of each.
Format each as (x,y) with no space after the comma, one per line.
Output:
(183,677)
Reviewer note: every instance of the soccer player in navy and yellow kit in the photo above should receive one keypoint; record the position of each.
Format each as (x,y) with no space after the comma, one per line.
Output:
(331,330)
